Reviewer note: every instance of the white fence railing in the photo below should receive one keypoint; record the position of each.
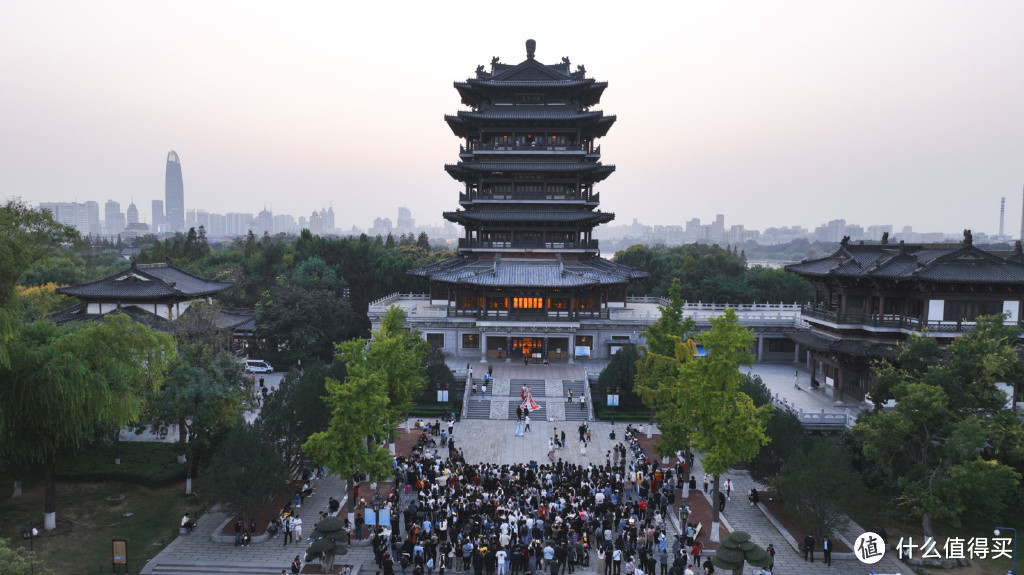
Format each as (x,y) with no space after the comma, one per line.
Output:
(818,419)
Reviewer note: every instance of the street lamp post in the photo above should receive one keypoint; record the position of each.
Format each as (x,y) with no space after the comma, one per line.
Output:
(28,533)
(1013,559)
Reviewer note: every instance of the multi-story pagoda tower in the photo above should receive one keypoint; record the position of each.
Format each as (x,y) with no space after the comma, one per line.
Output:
(528,166)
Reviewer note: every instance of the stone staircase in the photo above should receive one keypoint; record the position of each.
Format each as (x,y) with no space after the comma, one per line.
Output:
(535,415)
(477,408)
(212,569)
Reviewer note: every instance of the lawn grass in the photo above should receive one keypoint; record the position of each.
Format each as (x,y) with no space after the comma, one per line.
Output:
(87,522)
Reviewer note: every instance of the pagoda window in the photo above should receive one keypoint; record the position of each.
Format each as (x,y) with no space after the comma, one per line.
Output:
(585,341)
(502,140)
(436,340)
(471,341)
(528,302)
(561,191)
(529,189)
(497,303)
(588,303)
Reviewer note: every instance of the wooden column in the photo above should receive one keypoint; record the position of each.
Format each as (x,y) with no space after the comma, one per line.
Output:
(837,390)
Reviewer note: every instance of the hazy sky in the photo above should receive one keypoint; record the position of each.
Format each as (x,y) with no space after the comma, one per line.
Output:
(773,113)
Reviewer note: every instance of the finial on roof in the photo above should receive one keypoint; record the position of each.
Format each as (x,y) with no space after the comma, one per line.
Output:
(531,47)
(968,238)
(885,238)
(565,60)
(845,241)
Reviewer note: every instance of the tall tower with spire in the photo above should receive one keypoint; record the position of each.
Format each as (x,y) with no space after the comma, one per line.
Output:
(174,195)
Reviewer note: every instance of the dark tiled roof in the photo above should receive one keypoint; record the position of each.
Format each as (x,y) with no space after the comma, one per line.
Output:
(585,217)
(146,282)
(234,319)
(848,347)
(465,169)
(530,113)
(962,264)
(529,273)
(237,319)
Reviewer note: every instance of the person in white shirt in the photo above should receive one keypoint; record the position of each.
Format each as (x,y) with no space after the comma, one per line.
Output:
(501,555)
(297,529)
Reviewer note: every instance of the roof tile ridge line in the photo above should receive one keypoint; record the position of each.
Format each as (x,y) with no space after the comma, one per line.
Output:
(188,273)
(960,250)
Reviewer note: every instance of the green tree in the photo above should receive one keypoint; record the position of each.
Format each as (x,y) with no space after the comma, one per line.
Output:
(295,412)
(205,394)
(303,324)
(245,471)
(619,376)
(357,408)
(703,407)
(666,348)
(64,383)
(19,561)
(819,486)
(934,455)
(384,376)
(26,236)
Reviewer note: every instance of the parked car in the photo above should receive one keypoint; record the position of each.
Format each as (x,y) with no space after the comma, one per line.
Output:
(258,366)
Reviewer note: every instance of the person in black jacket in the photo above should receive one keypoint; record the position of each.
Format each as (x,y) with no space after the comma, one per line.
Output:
(826,549)
(809,547)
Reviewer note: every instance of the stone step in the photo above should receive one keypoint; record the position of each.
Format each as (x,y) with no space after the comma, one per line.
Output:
(478,409)
(536,387)
(212,569)
(535,415)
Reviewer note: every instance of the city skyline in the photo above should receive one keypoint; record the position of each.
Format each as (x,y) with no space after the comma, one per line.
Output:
(789,114)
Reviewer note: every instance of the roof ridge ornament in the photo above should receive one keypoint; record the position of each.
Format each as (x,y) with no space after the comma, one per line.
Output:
(885,238)
(845,241)
(531,48)
(968,238)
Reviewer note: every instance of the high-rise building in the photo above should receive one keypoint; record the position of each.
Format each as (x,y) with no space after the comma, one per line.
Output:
(113,218)
(92,218)
(264,223)
(237,224)
(158,216)
(70,214)
(174,194)
(405,221)
(133,214)
(316,223)
(328,217)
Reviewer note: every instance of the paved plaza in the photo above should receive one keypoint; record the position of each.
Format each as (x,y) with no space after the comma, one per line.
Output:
(482,441)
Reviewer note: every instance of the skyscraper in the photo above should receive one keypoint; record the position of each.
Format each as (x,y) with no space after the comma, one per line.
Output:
(133,214)
(158,217)
(113,218)
(174,194)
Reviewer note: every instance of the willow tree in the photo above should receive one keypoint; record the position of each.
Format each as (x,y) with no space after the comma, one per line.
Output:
(26,236)
(65,382)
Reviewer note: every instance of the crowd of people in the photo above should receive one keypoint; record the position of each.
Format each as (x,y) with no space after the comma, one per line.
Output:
(499,519)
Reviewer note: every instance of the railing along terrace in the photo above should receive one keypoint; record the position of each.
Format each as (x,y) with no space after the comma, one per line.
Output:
(528,147)
(894,321)
(817,419)
(522,315)
(392,298)
(526,244)
(529,197)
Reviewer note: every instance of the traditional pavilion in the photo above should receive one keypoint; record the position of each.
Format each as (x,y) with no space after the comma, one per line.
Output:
(869,298)
(529,279)
(156,295)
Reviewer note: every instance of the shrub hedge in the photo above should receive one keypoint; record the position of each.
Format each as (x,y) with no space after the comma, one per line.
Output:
(145,463)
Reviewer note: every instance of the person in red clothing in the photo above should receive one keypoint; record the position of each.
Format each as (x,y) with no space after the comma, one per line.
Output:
(696,552)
